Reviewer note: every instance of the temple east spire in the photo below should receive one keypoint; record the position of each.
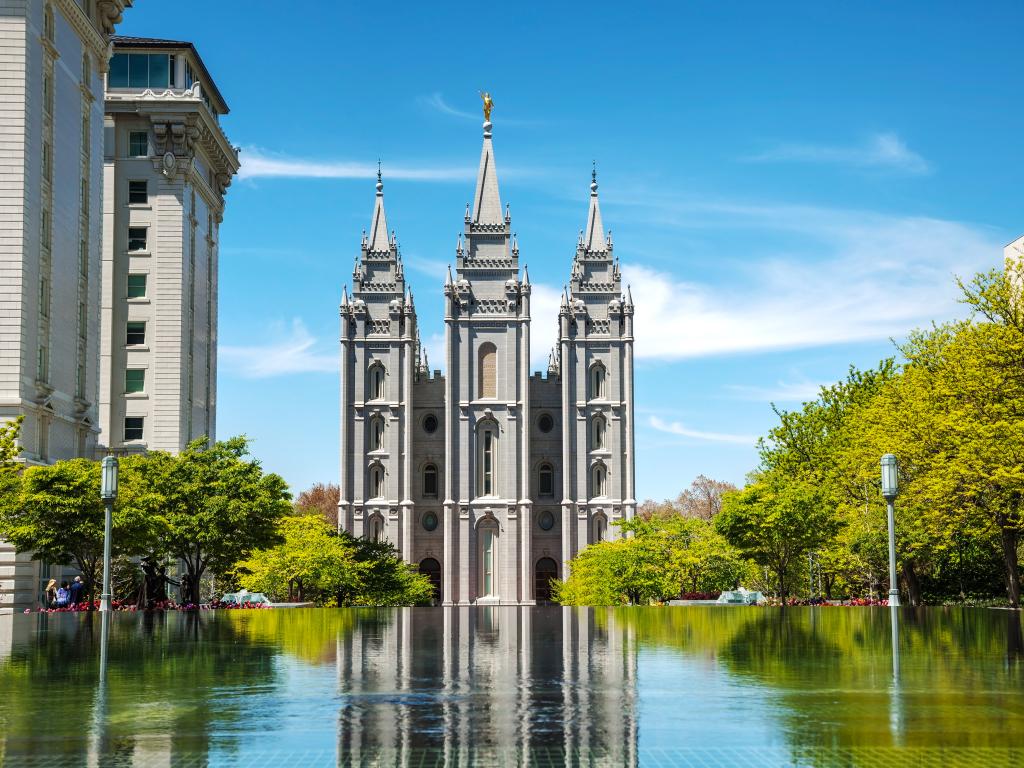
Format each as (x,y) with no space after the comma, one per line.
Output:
(593,237)
(378,242)
(487,200)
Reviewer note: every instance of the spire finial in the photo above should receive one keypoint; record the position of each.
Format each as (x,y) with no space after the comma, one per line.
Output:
(593,179)
(380,181)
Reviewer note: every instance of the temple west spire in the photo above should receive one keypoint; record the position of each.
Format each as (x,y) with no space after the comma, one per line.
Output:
(487,200)
(379,225)
(594,237)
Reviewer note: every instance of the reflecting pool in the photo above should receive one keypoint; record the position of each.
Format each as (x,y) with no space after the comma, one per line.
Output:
(509,686)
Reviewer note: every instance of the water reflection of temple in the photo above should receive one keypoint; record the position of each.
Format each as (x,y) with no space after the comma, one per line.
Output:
(488,685)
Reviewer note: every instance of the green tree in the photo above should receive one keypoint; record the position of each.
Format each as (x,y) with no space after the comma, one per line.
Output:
(311,563)
(384,579)
(215,505)
(775,523)
(58,515)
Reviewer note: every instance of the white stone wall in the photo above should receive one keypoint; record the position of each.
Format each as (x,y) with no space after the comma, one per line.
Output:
(181,218)
(60,413)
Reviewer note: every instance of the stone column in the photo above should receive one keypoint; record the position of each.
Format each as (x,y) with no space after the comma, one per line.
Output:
(450,462)
(568,424)
(525,505)
(345,521)
(407,505)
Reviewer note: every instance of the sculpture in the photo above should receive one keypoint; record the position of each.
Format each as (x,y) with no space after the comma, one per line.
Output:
(488,105)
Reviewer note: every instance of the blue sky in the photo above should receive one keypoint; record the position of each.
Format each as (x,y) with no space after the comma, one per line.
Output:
(790,186)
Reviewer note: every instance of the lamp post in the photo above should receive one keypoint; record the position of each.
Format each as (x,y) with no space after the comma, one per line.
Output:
(889,491)
(108,492)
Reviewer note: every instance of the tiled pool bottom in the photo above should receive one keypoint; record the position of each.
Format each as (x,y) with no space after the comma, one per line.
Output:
(689,686)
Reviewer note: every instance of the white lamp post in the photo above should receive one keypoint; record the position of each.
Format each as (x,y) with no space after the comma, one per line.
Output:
(889,490)
(108,492)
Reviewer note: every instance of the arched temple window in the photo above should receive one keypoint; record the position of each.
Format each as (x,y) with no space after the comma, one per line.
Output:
(376,433)
(375,382)
(376,531)
(487,371)
(430,480)
(488,537)
(488,460)
(598,382)
(600,528)
(546,480)
(376,481)
(599,480)
(598,433)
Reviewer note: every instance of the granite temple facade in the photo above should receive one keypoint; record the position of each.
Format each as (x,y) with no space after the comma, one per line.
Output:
(488,478)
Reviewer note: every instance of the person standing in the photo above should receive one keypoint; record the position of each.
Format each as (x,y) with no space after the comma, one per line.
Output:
(50,594)
(63,596)
(77,587)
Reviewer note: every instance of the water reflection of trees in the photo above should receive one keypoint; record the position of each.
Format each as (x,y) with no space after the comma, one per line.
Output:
(831,675)
(164,674)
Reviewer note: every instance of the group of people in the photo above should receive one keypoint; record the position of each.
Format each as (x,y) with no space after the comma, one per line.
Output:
(66,595)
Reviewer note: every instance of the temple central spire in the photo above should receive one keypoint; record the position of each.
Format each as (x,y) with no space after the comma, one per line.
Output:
(487,200)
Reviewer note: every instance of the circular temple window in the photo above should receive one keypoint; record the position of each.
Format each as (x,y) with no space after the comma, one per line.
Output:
(546,521)
(430,521)
(545,423)
(430,424)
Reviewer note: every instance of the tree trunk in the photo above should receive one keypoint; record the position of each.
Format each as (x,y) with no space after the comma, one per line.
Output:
(781,575)
(1009,537)
(912,583)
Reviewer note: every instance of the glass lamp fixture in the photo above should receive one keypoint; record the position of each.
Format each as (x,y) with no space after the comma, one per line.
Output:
(890,483)
(108,478)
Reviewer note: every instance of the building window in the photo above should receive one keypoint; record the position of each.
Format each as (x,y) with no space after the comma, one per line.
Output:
(546,521)
(133,427)
(136,333)
(600,528)
(598,433)
(43,364)
(376,528)
(376,433)
(134,380)
(376,481)
(488,371)
(545,423)
(44,297)
(600,481)
(430,424)
(136,286)
(375,382)
(136,238)
(430,522)
(138,192)
(138,143)
(430,481)
(140,70)
(598,383)
(488,537)
(488,461)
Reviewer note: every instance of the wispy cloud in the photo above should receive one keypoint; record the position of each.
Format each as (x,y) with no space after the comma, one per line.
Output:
(678,428)
(256,164)
(289,351)
(857,276)
(780,392)
(436,102)
(882,151)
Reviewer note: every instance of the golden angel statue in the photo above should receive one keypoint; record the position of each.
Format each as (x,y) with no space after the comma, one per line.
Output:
(488,104)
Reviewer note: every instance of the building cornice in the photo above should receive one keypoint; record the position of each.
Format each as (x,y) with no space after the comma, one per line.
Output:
(109,12)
